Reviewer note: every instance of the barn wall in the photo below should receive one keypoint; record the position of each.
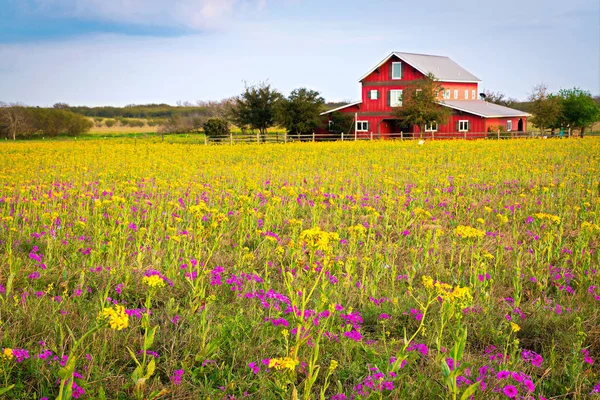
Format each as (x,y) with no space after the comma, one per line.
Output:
(493,123)
(384,73)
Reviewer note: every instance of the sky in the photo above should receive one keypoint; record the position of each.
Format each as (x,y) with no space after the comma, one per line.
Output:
(119,52)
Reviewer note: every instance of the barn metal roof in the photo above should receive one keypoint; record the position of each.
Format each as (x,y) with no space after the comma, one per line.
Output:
(442,67)
(483,108)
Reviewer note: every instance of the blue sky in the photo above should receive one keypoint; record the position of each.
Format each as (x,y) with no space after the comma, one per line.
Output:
(109,52)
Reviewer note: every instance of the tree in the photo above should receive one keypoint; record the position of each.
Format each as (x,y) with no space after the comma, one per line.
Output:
(339,123)
(420,104)
(300,113)
(256,108)
(216,128)
(579,108)
(499,98)
(545,107)
(13,119)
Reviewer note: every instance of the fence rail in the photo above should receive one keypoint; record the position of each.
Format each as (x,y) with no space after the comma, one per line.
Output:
(234,138)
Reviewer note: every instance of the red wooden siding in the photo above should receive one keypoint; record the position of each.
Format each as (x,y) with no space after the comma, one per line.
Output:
(461,87)
(384,72)
(493,123)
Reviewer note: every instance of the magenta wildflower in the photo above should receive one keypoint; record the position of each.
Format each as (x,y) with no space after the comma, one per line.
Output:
(254,367)
(528,383)
(510,391)
(176,377)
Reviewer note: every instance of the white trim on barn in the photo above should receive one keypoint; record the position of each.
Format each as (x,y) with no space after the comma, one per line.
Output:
(341,108)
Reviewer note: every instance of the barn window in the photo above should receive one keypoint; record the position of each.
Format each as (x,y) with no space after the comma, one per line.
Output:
(447,94)
(395,98)
(455,94)
(509,125)
(362,126)
(396,70)
(373,94)
(473,94)
(463,125)
(433,127)
(466,94)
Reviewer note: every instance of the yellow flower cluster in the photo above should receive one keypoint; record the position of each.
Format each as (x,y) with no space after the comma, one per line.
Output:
(459,295)
(468,232)
(553,219)
(117,318)
(357,230)
(514,327)
(283,363)
(503,219)
(153,281)
(8,353)
(319,239)
(589,227)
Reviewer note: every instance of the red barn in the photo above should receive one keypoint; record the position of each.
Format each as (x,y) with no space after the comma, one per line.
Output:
(382,89)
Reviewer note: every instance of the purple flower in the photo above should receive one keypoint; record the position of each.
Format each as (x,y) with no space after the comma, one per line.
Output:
(176,377)
(353,335)
(503,374)
(255,368)
(510,391)
(34,275)
(529,385)
(20,354)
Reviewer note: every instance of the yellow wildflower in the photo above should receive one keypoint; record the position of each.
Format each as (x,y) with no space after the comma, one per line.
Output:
(468,232)
(283,363)
(153,281)
(333,365)
(427,281)
(8,353)
(319,239)
(515,328)
(117,318)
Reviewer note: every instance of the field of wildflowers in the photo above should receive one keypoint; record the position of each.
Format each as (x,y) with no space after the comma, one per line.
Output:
(353,270)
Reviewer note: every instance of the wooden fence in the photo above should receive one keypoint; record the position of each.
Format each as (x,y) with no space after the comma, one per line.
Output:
(234,138)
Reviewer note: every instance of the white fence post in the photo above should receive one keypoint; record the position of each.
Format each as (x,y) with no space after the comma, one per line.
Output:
(230,138)
(313,136)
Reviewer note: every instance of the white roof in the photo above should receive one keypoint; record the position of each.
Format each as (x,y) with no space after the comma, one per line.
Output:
(442,67)
(342,107)
(483,108)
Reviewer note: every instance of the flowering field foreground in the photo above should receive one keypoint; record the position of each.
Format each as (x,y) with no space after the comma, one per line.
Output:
(313,271)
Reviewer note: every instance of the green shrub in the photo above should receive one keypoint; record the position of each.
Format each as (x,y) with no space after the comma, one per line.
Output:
(216,128)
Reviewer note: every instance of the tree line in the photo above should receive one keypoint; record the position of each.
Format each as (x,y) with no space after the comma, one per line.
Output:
(258,108)
(18,121)
(568,109)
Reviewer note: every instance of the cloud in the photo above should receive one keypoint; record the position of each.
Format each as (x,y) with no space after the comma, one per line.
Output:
(186,14)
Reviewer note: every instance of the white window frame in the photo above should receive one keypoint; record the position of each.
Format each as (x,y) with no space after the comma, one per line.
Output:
(466,94)
(473,94)
(430,127)
(462,122)
(447,94)
(455,94)
(362,126)
(373,91)
(394,102)
(509,126)
(396,78)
